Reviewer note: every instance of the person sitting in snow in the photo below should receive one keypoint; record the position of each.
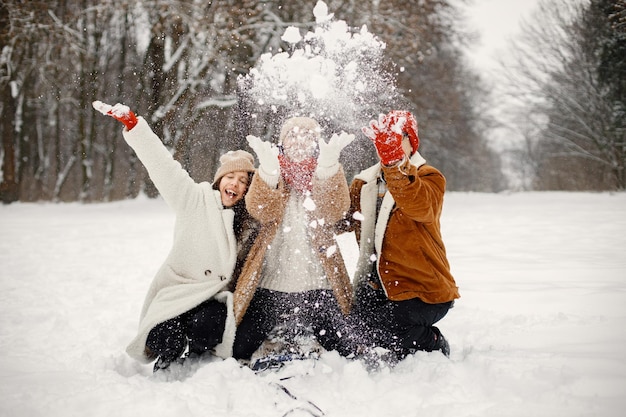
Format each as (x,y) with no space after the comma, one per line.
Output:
(403,284)
(188,307)
(294,274)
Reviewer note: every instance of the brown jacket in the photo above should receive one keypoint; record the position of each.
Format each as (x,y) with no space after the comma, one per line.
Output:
(267,206)
(406,235)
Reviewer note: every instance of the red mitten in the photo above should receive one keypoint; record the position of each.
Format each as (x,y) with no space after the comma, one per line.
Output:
(402,122)
(375,127)
(388,144)
(389,147)
(119,112)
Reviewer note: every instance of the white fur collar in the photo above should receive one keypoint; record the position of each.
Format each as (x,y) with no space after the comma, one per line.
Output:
(370,174)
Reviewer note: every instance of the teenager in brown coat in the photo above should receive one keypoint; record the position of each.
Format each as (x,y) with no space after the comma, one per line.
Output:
(403,280)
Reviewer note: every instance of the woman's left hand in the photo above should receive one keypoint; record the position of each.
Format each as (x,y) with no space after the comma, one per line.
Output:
(328,159)
(329,152)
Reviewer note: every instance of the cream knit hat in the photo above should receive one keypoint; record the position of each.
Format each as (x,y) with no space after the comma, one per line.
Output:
(300,125)
(233,161)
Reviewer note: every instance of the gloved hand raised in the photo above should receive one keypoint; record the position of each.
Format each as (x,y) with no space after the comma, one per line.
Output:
(402,122)
(375,127)
(328,159)
(119,112)
(267,154)
(387,142)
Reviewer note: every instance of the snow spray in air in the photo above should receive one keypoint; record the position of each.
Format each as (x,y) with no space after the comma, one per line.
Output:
(333,73)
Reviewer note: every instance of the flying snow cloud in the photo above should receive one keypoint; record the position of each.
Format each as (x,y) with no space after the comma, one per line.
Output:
(332,73)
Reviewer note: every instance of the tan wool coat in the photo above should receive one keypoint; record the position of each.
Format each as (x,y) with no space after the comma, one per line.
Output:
(267,206)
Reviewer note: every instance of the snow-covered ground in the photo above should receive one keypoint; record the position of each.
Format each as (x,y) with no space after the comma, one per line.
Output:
(539,330)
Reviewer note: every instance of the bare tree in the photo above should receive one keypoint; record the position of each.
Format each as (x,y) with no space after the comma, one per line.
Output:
(8,186)
(424,53)
(579,140)
(177,63)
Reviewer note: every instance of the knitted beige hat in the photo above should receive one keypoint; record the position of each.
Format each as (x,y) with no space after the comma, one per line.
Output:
(300,125)
(233,161)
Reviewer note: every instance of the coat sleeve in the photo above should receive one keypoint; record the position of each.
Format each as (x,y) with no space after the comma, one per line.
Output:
(418,192)
(265,204)
(173,182)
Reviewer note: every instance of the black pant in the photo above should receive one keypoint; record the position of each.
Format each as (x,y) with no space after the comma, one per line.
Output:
(400,326)
(202,327)
(315,312)
(412,324)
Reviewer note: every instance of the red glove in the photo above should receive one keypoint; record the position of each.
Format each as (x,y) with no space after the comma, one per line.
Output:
(403,122)
(388,144)
(119,112)
(389,148)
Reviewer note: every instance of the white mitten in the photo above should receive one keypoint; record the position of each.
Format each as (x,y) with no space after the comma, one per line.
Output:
(267,154)
(328,159)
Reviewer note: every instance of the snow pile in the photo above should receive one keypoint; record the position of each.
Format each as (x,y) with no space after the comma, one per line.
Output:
(538,329)
(333,73)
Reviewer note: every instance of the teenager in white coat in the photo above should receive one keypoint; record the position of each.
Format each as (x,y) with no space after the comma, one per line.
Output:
(188,307)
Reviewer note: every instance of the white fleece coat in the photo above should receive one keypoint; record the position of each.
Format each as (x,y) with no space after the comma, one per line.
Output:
(201,261)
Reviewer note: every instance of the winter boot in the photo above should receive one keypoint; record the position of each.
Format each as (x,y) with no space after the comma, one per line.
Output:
(168,342)
(166,359)
(441,343)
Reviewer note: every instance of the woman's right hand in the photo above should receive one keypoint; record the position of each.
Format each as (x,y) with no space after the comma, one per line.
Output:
(119,112)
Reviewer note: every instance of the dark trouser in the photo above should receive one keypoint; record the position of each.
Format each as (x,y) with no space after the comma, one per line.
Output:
(400,326)
(315,312)
(202,327)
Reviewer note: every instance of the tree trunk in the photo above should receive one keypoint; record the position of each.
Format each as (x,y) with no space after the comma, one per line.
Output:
(8,186)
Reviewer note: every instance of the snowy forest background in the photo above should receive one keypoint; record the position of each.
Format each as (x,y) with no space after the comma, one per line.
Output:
(179,63)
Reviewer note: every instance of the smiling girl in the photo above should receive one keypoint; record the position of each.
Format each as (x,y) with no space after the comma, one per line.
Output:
(188,309)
